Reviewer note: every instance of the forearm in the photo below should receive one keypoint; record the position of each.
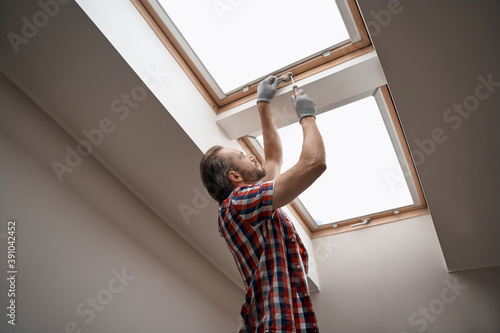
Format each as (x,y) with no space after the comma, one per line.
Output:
(310,166)
(313,148)
(272,141)
(312,161)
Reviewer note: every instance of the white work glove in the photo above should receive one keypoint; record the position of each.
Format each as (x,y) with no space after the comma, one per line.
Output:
(304,106)
(267,88)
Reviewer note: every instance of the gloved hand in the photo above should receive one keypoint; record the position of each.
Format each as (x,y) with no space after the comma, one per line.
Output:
(267,88)
(304,106)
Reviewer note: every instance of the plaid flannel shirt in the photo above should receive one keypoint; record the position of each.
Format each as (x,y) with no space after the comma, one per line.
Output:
(272,261)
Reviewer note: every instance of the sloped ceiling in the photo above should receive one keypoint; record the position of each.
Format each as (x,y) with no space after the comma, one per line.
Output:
(434,54)
(72,71)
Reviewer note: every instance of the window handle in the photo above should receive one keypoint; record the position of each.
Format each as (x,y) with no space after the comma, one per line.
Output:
(363,222)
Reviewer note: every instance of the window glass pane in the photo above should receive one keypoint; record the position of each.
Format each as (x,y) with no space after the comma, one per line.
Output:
(363,175)
(241,41)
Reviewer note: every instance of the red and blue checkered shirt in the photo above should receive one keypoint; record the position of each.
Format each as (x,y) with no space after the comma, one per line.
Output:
(271,259)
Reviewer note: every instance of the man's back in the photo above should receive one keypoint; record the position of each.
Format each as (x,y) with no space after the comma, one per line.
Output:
(266,248)
(271,259)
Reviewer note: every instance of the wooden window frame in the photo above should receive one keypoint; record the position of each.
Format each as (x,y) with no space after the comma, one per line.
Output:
(376,219)
(300,71)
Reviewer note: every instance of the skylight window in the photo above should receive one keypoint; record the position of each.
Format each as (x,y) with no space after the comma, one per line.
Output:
(238,43)
(364,174)
(227,47)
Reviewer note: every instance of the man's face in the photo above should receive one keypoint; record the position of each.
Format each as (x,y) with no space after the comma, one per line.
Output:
(250,168)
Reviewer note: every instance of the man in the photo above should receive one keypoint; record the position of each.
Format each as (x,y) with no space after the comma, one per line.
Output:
(269,254)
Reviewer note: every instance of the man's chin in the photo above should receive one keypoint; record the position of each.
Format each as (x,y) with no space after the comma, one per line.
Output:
(256,177)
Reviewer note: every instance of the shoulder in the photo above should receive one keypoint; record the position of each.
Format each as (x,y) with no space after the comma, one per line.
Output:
(248,202)
(252,191)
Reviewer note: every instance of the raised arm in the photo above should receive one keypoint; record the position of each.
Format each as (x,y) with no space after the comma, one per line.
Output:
(312,161)
(273,152)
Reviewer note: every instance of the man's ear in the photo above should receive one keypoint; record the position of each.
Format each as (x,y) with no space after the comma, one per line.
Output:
(234,176)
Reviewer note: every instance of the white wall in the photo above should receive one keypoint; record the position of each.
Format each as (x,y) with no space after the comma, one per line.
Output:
(121,52)
(382,279)
(72,235)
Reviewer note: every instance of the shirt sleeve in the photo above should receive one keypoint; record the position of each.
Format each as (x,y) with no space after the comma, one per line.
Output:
(253,204)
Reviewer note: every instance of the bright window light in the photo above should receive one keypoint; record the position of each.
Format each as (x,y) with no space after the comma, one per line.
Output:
(363,176)
(240,42)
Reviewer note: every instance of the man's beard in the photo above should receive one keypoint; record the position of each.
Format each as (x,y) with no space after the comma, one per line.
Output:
(253,176)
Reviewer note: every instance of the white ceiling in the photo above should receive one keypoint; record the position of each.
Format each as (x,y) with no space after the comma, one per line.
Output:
(74,73)
(432,53)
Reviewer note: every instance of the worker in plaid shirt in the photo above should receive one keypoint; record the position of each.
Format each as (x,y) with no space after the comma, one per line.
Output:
(269,254)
